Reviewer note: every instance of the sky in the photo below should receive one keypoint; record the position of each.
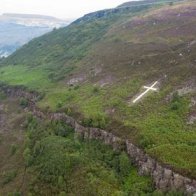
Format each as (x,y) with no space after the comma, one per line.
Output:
(58,8)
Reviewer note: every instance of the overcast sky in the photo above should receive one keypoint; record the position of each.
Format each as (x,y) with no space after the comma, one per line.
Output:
(57,8)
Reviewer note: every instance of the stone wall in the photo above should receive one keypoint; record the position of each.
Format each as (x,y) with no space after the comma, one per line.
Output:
(163,177)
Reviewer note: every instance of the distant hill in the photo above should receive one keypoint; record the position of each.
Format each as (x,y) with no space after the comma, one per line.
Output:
(18,29)
(33,20)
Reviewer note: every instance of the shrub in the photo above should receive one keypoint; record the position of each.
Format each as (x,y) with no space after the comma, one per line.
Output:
(179,104)
(24,102)
(13,149)
(27,157)
(61,129)
(97,121)
(145,142)
(31,122)
(16,193)
(76,87)
(59,105)
(9,176)
(175,104)
(67,110)
(95,90)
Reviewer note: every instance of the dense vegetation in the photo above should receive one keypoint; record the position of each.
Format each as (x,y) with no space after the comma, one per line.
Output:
(52,162)
(62,165)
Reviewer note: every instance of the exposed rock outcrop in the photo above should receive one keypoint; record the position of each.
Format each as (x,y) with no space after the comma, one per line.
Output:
(163,177)
(18,91)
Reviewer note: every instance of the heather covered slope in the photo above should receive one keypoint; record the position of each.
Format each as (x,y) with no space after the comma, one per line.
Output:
(94,68)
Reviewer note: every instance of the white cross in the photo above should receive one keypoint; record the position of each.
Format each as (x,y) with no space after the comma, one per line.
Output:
(147,89)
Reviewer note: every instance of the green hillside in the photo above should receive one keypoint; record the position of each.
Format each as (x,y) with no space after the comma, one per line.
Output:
(93,69)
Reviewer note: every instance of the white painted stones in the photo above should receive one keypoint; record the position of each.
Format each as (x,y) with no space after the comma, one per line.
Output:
(146,91)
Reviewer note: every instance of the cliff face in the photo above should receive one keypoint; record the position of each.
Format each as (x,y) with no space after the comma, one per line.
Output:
(163,177)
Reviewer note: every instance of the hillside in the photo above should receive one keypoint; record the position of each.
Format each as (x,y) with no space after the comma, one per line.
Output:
(93,69)
(57,164)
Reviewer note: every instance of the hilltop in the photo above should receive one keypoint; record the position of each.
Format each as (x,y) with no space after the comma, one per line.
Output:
(94,68)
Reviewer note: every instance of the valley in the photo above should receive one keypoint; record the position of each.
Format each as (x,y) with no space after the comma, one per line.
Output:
(17,30)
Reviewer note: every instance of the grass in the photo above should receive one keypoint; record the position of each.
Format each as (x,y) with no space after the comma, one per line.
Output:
(158,127)
(21,75)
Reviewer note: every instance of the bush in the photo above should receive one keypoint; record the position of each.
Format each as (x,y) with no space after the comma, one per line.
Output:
(13,149)
(31,122)
(179,104)
(23,102)
(16,193)
(145,142)
(61,129)
(97,121)
(9,176)
(76,87)
(27,157)
(59,105)
(95,90)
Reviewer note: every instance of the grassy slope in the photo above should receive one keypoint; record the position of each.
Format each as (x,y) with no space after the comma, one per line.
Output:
(123,50)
